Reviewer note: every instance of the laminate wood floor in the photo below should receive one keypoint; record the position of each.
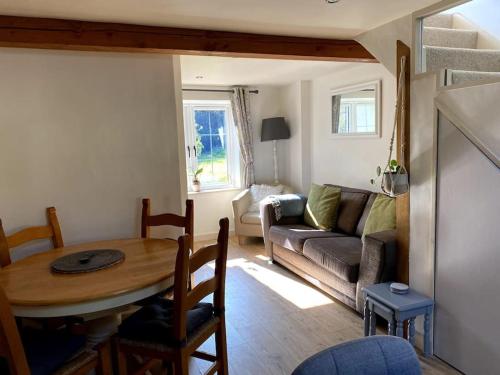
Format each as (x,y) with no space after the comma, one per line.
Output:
(275,320)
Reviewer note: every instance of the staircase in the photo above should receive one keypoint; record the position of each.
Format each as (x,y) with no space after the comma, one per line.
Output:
(447,47)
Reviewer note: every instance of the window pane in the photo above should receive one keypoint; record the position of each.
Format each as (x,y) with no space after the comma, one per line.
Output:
(217,122)
(344,123)
(365,117)
(202,121)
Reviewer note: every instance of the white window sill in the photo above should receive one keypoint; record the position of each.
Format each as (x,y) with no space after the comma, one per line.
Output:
(214,190)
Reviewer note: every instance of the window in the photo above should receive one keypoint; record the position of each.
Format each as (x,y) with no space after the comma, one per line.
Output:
(357,116)
(211,144)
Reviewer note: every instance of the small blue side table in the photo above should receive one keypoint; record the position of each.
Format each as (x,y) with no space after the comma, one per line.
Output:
(396,308)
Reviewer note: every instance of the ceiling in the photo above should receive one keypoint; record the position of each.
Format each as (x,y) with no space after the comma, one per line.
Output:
(228,71)
(315,18)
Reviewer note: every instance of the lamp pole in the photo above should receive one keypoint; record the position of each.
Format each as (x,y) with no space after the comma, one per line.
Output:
(275,154)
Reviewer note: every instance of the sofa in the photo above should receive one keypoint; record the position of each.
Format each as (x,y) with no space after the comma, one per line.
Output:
(247,223)
(339,262)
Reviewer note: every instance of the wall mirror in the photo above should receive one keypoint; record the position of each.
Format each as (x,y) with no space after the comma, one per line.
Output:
(356,110)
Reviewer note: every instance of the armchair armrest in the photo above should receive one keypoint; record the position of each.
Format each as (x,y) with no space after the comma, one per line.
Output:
(241,203)
(268,219)
(378,262)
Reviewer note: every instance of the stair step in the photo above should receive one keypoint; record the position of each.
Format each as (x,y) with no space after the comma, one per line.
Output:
(456,38)
(482,60)
(460,76)
(444,20)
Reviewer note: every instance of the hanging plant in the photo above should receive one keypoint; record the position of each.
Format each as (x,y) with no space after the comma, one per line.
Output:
(395,177)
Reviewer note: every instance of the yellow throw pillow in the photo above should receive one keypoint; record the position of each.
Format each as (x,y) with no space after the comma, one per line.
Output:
(382,215)
(322,206)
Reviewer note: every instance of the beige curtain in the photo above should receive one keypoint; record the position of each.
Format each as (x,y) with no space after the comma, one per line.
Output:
(241,113)
(336,113)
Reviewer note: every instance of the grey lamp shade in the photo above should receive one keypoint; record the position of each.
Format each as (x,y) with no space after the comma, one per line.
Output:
(274,128)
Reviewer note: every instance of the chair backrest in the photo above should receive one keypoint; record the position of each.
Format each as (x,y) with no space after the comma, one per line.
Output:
(186,222)
(185,299)
(11,347)
(52,231)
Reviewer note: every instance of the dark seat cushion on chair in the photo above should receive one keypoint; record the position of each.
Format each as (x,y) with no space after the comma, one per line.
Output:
(154,323)
(292,237)
(46,352)
(341,256)
(352,204)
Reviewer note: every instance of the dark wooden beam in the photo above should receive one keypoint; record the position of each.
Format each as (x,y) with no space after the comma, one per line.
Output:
(403,201)
(47,33)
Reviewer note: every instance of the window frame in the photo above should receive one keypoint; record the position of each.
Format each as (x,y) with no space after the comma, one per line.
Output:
(232,153)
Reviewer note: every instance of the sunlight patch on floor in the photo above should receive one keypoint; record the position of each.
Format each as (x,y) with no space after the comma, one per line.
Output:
(302,296)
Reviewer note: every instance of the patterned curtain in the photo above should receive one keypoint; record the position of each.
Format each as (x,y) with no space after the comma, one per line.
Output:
(241,114)
(336,113)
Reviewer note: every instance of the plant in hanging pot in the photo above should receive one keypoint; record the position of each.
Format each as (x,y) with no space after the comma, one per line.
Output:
(394,179)
(196,184)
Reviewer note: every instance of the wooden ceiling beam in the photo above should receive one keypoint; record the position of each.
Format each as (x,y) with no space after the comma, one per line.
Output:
(48,33)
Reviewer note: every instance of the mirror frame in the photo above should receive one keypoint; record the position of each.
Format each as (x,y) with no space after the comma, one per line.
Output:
(378,109)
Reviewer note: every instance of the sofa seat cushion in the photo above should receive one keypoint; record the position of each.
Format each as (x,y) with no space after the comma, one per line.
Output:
(292,237)
(340,255)
(251,218)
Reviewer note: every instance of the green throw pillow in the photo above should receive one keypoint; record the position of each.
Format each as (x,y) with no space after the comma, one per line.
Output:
(322,205)
(382,215)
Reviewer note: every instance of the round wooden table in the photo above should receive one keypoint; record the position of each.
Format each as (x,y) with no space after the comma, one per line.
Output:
(34,291)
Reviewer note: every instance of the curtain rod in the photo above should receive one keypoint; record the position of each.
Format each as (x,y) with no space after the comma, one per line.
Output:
(209,90)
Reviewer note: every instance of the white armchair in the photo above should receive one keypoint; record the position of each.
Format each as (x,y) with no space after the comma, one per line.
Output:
(247,223)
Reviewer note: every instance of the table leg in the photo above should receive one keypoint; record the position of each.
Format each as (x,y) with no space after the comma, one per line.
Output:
(391,327)
(373,323)
(101,329)
(399,328)
(411,331)
(427,335)
(366,318)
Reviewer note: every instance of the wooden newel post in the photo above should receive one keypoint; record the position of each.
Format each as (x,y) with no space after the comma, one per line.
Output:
(403,201)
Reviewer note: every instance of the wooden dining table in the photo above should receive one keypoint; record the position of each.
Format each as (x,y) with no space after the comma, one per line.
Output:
(98,297)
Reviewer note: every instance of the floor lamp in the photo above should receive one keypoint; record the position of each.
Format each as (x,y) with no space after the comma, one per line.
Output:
(274,129)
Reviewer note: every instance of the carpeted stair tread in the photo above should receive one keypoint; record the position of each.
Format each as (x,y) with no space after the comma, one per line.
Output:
(455,38)
(444,20)
(461,76)
(438,58)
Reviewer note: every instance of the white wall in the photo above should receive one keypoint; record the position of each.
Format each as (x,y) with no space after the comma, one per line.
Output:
(90,133)
(350,162)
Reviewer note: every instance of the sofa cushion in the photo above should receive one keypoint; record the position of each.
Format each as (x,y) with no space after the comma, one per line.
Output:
(361,224)
(341,255)
(352,203)
(322,206)
(382,215)
(293,237)
(251,218)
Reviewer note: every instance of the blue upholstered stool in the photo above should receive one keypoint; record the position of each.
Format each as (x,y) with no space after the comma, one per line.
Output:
(374,355)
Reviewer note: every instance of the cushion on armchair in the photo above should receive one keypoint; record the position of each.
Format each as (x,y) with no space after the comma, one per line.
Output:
(260,192)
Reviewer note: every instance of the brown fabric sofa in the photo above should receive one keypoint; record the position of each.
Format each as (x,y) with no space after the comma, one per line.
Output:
(338,262)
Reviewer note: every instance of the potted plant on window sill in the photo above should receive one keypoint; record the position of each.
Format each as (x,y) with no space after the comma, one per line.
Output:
(196,184)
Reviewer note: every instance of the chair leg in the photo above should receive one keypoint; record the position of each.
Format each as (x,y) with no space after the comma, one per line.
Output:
(181,366)
(221,347)
(105,365)
(121,360)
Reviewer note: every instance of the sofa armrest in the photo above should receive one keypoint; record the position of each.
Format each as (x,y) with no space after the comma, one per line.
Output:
(268,219)
(378,262)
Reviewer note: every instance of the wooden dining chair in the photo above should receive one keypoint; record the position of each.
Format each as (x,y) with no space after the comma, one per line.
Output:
(51,231)
(186,222)
(172,331)
(40,352)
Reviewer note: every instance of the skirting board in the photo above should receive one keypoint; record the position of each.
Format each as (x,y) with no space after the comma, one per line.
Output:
(210,236)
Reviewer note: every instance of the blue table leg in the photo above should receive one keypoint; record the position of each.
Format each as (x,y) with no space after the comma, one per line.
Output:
(391,327)
(427,334)
(367,318)
(411,331)
(373,323)
(399,328)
